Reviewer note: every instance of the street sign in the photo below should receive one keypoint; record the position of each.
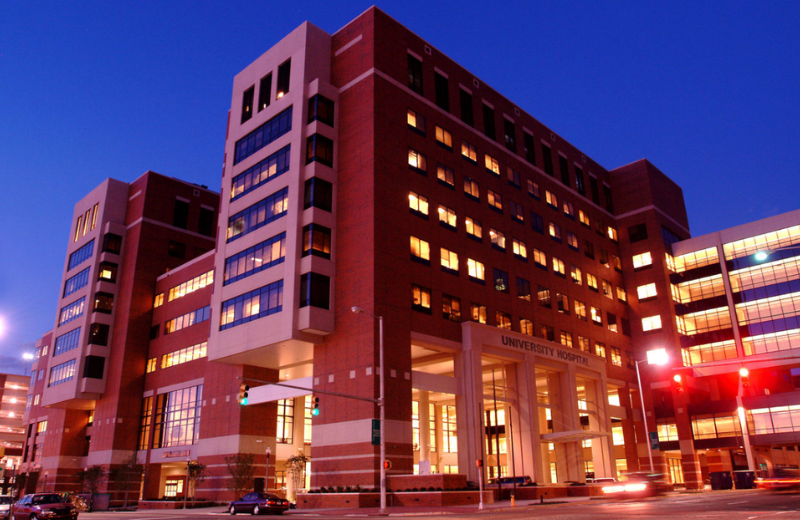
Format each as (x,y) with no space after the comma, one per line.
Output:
(376,432)
(654,440)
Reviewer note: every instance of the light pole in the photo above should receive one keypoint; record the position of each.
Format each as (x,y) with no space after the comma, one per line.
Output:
(186,487)
(266,479)
(654,357)
(28,357)
(748,449)
(381,404)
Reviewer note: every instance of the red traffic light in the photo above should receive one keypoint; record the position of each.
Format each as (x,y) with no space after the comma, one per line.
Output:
(678,380)
(744,375)
(387,464)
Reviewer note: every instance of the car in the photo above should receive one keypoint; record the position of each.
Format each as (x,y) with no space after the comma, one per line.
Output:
(601,480)
(5,505)
(510,481)
(258,503)
(41,506)
(638,484)
(783,478)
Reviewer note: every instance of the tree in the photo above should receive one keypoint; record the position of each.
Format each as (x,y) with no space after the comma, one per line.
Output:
(129,472)
(241,468)
(196,474)
(296,468)
(91,478)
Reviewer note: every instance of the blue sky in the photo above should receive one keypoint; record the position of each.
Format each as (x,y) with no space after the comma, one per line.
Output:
(89,90)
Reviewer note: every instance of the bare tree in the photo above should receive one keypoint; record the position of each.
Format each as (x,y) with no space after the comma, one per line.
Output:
(241,468)
(196,474)
(296,468)
(129,472)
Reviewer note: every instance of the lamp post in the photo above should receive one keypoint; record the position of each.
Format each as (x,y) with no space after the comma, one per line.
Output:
(266,479)
(748,449)
(381,404)
(654,357)
(28,357)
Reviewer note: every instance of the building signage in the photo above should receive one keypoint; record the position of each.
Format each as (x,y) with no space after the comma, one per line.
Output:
(173,454)
(376,432)
(545,350)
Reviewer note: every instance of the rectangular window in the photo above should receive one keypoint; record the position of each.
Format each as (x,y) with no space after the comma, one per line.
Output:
(594,190)
(533,189)
(206,221)
(579,185)
(78,227)
(421,299)
(612,234)
(444,138)
(591,281)
(600,349)
(468,152)
(418,204)
(530,151)
(621,295)
(583,217)
(537,223)
(451,308)
(417,161)
(540,258)
(488,122)
(81,255)
(580,310)
(471,188)
(547,159)
(187,320)
(583,344)
(319,149)
(495,200)
(180,214)
(513,178)
(517,213)
(449,425)
(98,334)
(445,175)
(548,332)
(562,303)
(608,292)
(415,74)
(566,339)
(543,295)
(247,103)
(258,215)
(62,373)
(596,314)
(569,211)
(252,305)
(563,165)
(317,241)
(145,423)
(71,311)
(492,165)
(103,302)
(416,122)
(263,135)
(647,291)
(643,260)
(523,289)
(500,280)
(612,322)
(177,417)
(572,241)
(93,367)
(607,195)
(651,323)
(442,91)
(637,233)
(315,290)
(284,71)
(285,421)
(77,282)
(474,229)
(252,260)
(151,365)
(476,270)
(260,174)
(318,193)
(588,249)
(320,109)
(449,260)
(176,249)
(558,267)
(510,135)
(498,239)
(519,249)
(526,326)
(190,286)
(576,274)
(184,355)
(447,217)
(466,107)
(264,92)
(420,250)
(478,313)
(502,320)
(551,198)
(555,232)
(67,342)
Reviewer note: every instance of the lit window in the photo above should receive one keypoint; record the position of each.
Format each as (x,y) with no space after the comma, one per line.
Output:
(533,189)
(416,160)
(577,275)
(498,239)
(420,249)
(449,260)
(468,151)
(566,339)
(612,234)
(471,188)
(646,291)
(495,200)
(478,313)
(568,209)
(517,213)
(558,266)
(608,292)
(642,260)
(492,165)
(416,121)
(445,175)
(572,240)
(584,218)
(159,300)
(612,323)
(651,323)
(444,138)
(447,217)
(526,326)
(503,320)
(621,294)
(551,199)
(597,315)
(591,281)
(451,310)
(421,298)
(151,365)
(555,231)
(580,310)
(519,248)
(540,258)
(475,269)
(600,349)
(418,203)
(474,228)
(500,280)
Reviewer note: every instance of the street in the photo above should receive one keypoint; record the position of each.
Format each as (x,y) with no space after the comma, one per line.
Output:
(728,505)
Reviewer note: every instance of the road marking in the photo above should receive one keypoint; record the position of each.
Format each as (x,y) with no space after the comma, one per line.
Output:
(739,502)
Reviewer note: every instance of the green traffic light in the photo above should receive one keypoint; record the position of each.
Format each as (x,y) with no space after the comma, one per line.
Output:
(315,412)
(243,401)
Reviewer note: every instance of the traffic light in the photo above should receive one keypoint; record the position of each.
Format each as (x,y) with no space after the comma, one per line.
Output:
(479,463)
(243,389)
(744,374)
(387,464)
(678,383)
(315,410)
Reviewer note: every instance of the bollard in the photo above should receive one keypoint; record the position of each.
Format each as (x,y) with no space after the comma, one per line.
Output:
(541,499)
(513,502)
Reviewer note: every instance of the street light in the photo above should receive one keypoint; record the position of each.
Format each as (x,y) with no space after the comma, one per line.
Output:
(381,404)
(657,356)
(28,357)
(186,487)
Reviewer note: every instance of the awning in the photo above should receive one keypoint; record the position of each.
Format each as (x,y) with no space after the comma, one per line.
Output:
(573,435)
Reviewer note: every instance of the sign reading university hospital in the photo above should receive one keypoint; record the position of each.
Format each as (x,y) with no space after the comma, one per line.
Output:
(546,350)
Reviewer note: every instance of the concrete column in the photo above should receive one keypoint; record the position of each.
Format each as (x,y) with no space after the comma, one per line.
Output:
(468,372)
(524,418)
(600,420)
(570,460)
(424,428)
(298,445)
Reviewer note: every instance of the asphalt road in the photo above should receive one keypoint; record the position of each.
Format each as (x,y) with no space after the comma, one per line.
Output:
(723,505)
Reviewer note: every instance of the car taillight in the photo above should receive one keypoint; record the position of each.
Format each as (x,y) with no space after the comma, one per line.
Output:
(270,502)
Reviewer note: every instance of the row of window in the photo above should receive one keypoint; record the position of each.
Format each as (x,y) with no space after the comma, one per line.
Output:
(67,342)
(263,172)
(258,215)
(190,286)
(442,99)
(255,259)
(252,305)
(62,373)
(265,134)
(187,320)
(176,421)
(86,222)
(265,90)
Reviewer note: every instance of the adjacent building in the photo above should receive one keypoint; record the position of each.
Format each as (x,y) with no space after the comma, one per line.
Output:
(513,284)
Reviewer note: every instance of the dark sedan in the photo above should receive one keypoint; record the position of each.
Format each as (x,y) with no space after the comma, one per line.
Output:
(258,503)
(41,506)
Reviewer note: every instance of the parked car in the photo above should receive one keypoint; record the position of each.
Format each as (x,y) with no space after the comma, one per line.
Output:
(258,503)
(40,506)
(5,505)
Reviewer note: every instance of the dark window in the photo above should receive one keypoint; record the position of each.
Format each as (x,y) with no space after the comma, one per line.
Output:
(112,243)
(98,334)
(588,249)
(604,257)
(523,289)
(579,181)
(180,214)
(320,109)
(154,331)
(93,367)
(609,200)
(637,233)
(669,237)
(247,103)
(176,249)
(543,294)
(451,308)
(319,149)
(263,135)
(107,272)
(415,74)
(466,108)
(562,303)
(103,302)
(510,135)
(626,327)
(79,281)
(442,87)
(284,71)
(488,122)
(315,290)
(82,254)
(563,165)
(205,224)
(317,241)
(318,194)
(66,342)
(548,333)
(547,158)
(264,92)
(594,189)
(500,280)
(530,151)
(537,223)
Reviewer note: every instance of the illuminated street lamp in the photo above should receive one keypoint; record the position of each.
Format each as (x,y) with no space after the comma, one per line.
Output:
(28,357)
(657,356)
